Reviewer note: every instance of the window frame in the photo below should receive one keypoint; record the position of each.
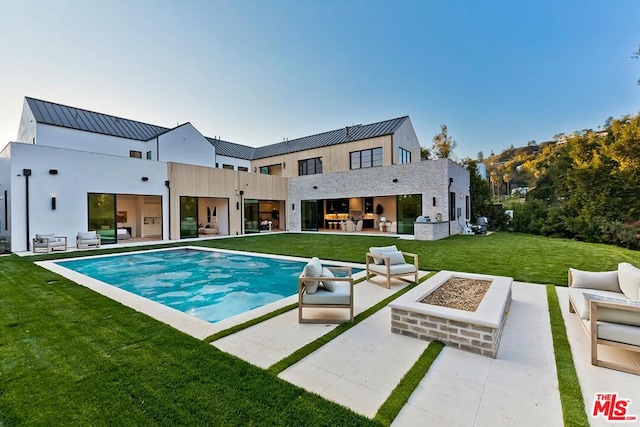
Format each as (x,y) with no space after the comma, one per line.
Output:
(367,158)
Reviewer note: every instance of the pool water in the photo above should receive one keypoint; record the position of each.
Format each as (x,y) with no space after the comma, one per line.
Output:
(206,284)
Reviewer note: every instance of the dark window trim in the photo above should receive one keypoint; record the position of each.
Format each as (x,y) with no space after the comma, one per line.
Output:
(372,157)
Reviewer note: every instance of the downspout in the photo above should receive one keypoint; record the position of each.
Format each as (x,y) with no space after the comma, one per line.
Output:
(158,148)
(449,196)
(27,174)
(168,185)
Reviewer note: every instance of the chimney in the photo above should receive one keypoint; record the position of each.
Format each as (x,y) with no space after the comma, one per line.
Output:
(346,131)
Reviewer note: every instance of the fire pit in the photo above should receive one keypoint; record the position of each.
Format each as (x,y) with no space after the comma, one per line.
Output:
(470,321)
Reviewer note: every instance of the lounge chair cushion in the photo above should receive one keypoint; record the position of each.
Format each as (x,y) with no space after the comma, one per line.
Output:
(600,280)
(83,235)
(619,333)
(339,296)
(606,314)
(394,269)
(382,250)
(581,304)
(329,285)
(629,279)
(395,258)
(312,269)
(42,238)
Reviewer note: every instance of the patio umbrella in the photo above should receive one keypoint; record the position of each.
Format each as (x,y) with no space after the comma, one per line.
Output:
(208,214)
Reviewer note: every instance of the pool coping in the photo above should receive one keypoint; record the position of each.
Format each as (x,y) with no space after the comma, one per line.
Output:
(177,319)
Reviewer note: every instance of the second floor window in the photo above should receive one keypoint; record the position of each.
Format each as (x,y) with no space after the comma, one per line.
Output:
(226,166)
(243,168)
(148,155)
(404,156)
(310,166)
(366,158)
(135,154)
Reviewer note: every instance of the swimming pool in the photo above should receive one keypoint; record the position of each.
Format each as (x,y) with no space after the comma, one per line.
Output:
(210,285)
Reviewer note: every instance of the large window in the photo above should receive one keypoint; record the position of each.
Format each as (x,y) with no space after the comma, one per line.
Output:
(404,156)
(102,216)
(409,208)
(366,158)
(452,206)
(188,217)
(310,166)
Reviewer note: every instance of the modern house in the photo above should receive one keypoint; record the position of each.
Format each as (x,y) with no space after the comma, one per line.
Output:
(74,170)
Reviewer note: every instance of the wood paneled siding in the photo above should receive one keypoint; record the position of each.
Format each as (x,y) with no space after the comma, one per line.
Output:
(199,181)
(335,158)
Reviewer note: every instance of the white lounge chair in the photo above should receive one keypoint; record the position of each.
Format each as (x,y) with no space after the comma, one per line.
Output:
(350,226)
(49,242)
(388,261)
(359,225)
(318,287)
(86,239)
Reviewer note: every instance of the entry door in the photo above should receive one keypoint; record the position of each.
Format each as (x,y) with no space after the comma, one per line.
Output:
(310,215)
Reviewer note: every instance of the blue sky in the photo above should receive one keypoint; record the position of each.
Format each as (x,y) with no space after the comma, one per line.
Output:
(496,73)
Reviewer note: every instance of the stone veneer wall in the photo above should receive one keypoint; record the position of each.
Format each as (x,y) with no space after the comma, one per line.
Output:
(466,336)
(429,178)
(430,230)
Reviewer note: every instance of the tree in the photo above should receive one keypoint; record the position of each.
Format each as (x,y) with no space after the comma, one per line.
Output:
(443,144)
(425,153)
(479,191)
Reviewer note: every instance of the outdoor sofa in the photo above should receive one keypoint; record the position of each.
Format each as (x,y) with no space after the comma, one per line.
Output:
(608,306)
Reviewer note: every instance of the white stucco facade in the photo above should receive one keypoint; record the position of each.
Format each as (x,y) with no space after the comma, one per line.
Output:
(78,174)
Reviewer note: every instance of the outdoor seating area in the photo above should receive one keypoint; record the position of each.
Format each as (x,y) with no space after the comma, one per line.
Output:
(608,306)
(324,288)
(49,242)
(389,262)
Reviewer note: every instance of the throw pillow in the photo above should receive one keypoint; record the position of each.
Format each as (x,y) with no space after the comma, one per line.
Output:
(380,251)
(329,285)
(612,315)
(312,269)
(396,258)
(629,278)
(600,280)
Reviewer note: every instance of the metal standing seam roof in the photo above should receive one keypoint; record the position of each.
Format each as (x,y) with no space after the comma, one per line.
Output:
(338,136)
(89,121)
(231,149)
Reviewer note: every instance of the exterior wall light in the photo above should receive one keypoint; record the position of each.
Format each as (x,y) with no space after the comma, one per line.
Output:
(145,178)
(53,203)
(53,171)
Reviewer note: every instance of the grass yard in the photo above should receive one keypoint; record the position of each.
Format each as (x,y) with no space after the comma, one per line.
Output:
(70,356)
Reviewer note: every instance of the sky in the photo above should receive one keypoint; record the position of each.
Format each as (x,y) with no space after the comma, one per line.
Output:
(496,73)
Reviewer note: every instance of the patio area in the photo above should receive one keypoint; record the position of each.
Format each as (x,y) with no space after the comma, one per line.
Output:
(361,367)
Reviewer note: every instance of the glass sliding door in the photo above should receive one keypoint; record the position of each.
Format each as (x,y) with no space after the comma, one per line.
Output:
(188,217)
(251,216)
(309,215)
(409,208)
(102,216)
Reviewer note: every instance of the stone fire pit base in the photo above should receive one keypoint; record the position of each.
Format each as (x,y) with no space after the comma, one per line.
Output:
(478,332)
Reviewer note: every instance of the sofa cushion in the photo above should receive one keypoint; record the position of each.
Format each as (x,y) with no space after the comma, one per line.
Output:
(83,235)
(396,258)
(606,314)
(629,279)
(43,238)
(582,305)
(394,269)
(600,280)
(340,295)
(312,269)
(382,250)
(619,333)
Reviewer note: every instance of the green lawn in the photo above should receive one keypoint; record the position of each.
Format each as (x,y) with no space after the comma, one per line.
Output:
(70,356)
